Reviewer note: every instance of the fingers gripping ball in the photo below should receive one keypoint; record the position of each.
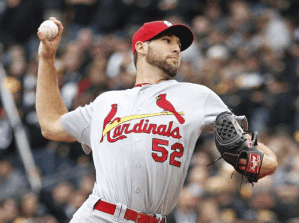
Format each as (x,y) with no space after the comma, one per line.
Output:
(49,29)
(234,146)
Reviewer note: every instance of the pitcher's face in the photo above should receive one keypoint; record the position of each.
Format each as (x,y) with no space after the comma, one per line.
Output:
(165,53)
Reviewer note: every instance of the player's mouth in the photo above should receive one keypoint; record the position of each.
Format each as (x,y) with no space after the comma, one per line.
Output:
(173,59)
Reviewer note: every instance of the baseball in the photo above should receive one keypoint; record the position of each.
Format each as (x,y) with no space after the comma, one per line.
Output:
(49,29)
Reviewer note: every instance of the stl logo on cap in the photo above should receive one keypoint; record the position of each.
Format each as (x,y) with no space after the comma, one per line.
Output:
(167,23)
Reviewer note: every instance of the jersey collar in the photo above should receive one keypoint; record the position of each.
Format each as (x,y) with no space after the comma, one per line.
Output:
(142,84)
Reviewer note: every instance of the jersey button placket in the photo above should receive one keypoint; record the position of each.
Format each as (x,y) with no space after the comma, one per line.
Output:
(137,139)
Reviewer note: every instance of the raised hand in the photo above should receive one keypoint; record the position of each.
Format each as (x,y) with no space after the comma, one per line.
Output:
(48,48)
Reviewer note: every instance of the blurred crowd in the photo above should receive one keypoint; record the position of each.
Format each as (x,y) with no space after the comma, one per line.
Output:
(246,51)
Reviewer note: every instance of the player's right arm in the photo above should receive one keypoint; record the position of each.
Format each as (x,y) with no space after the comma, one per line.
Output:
(49,104)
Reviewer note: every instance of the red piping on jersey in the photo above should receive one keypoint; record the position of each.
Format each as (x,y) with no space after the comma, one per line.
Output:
(140,85)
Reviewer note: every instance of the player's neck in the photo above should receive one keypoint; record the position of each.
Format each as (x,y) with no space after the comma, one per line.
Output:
(150,75)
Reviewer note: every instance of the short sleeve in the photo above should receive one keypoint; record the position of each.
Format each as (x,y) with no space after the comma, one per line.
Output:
(77,124)
(213,106)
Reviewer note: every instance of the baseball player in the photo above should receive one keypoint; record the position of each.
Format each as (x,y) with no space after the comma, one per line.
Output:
(142,138)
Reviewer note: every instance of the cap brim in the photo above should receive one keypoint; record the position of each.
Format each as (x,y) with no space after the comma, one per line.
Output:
(184,33)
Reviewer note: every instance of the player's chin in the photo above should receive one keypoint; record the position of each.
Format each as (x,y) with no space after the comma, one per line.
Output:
(171,70)
(175,71)
(172,73)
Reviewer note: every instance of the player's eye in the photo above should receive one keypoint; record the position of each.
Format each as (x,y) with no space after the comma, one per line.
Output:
(166,40)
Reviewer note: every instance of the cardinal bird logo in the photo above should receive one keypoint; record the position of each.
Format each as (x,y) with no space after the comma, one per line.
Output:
(110,116)
(168,107)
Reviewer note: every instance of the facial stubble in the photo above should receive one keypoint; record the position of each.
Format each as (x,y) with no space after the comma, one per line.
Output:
(156,59)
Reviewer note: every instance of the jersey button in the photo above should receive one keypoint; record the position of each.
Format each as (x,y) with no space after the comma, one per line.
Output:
(137,139)
(141,92)
(137,190)
(138,108)
(138,165)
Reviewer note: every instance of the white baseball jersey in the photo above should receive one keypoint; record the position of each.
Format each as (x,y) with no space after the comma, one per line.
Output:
(142,140)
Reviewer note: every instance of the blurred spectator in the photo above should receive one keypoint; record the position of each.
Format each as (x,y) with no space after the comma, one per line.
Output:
(30,207)
(75,202)
(278,35)
(283,112)
(57,200)
(83,10)
(86,184)
(52,8)
(6,135)
(189,9)
(197,180)
(140,11)
(10,210)
(12,182)
(122,58)
(287,202)
(208,211)
(20,20)
(239,17)
(86,168)
(185,211)
(110,16)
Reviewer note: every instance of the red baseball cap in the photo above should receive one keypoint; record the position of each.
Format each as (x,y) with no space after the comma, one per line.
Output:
(151,29)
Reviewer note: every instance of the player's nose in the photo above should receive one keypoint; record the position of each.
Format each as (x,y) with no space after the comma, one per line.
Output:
(176,48)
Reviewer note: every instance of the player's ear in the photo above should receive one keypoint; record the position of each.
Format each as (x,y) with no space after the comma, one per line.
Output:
(141,47)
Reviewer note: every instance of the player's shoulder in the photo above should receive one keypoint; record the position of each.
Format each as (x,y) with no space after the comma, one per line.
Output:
(110,95)
(194,87)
